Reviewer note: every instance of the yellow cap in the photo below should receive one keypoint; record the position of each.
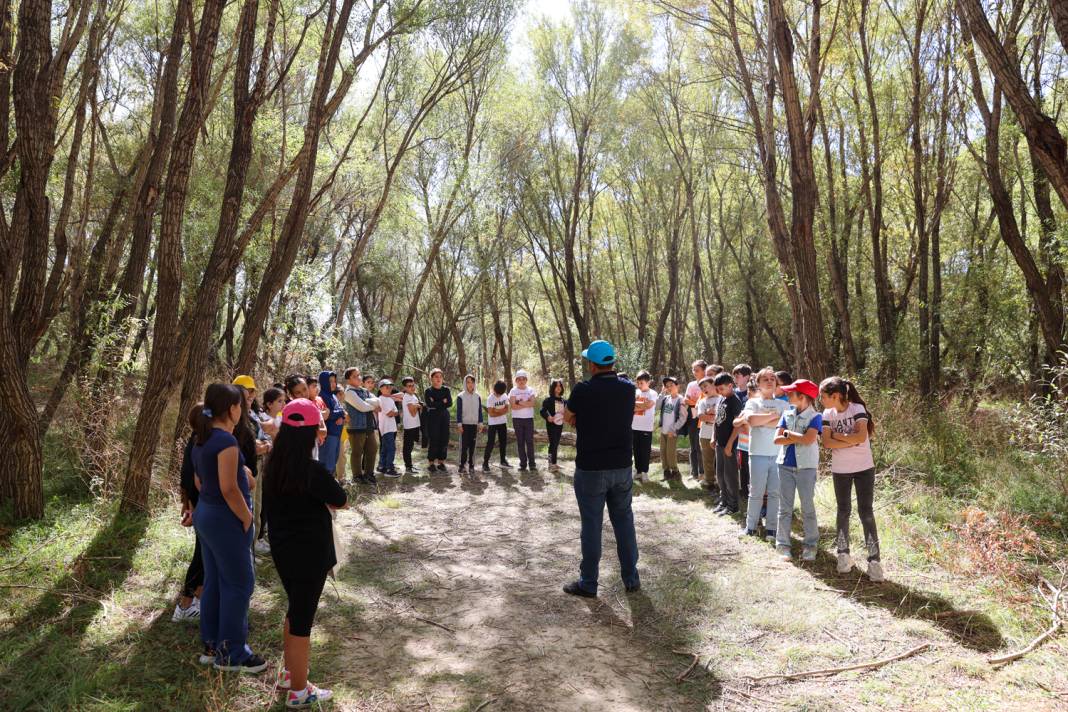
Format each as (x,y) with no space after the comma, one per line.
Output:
(245,382)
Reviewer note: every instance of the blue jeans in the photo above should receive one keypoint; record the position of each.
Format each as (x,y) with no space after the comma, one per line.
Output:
(387,450)
(229,578)
(764,474)
(593,490)
(328,452)
(803,482)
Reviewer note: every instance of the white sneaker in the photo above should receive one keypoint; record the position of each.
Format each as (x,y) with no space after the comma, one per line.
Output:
(263,547)
(784,554)
(845,563)
(311,696)
(875,571)
(808,554)
(189,614)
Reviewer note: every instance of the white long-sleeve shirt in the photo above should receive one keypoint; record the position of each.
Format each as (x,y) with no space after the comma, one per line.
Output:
(353,399)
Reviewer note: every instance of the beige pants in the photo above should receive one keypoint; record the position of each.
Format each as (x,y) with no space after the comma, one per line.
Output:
(669,452)
(708,460)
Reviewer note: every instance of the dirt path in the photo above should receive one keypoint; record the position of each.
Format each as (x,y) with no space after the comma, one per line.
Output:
(450,600)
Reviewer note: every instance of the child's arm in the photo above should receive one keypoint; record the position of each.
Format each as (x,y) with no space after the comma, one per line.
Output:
(762,419)
(857,437)
(782,436)
(729,447)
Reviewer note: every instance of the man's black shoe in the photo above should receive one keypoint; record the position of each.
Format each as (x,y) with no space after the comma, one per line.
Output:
(575,589)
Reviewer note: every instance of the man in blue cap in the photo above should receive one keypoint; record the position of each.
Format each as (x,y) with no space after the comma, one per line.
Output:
(602,412)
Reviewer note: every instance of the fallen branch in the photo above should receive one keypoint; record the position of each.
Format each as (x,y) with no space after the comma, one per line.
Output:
(749,695)
(435,623)
(834,671)
(1054,601)
(686,673)
(487,703)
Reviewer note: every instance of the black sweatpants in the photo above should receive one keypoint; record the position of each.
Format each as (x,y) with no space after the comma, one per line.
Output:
(411,439)
(437,428)
(643,448)
(194,575)
(555,431)
(743,475)
(500,432)
(865,484)
(467,444)
(303,594)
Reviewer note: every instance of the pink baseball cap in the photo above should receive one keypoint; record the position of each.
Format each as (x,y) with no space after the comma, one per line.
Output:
(301,412)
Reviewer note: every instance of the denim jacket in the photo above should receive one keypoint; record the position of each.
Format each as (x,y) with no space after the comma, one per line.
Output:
(807,456)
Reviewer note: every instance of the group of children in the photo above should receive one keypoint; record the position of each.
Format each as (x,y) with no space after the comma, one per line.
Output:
(758,439)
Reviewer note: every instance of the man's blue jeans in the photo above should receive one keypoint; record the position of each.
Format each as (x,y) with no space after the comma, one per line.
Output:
(593,490)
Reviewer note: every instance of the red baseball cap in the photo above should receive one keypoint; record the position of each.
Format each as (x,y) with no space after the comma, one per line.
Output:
(805,386)
(301,412)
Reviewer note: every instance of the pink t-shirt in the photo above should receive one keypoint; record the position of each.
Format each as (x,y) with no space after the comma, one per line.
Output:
(849,460)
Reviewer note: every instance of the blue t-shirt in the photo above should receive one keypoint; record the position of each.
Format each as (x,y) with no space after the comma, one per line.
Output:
(790,459)
(206,462)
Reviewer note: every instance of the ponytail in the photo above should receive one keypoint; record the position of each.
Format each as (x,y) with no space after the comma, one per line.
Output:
(847,390)
(219,398)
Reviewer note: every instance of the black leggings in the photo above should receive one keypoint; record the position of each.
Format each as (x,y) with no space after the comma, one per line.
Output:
(865,483)
(643,448)
(438,432)
(303,594)
(467,444)
(411,439)
(194,575)
(499,431)
(555,431)
(743,474)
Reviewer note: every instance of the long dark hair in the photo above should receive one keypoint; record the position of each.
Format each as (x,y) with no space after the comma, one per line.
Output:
(219,398)
(552,387)
(246,436)
(271,395)
(287,468)
(845,388)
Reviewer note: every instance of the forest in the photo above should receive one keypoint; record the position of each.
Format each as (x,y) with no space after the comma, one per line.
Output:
(210,188)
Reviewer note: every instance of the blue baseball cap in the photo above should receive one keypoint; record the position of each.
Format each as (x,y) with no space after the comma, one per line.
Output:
(600,352)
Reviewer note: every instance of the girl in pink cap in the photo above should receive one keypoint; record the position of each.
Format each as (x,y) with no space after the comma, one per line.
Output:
(299,496)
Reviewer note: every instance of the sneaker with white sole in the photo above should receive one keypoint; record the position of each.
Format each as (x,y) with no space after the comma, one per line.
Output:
(284,681)
(845,563)
(189,614)
(784,553)
(263,547)
(769,534)
(808,554)
(207,657)
(252,665)
(875,571)
(310,696)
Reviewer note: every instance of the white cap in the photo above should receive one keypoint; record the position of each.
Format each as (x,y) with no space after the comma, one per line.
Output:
(522,373)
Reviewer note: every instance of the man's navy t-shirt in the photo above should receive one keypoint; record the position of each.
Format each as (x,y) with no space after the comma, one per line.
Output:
(604,411)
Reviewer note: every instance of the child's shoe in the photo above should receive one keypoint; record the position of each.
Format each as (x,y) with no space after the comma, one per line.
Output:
(808,553)
(845,563)
(284,680)
(189,614)
(784,553)
(875,571)
(769,534)
(310,696)
(392,472)
(746,531)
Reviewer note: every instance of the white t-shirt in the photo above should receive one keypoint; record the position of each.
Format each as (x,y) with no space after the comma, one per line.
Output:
(762,437)
(410,421)
(645,422)
(707,406)
(387,417)
(527,393)
(849,460)
(497,401)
